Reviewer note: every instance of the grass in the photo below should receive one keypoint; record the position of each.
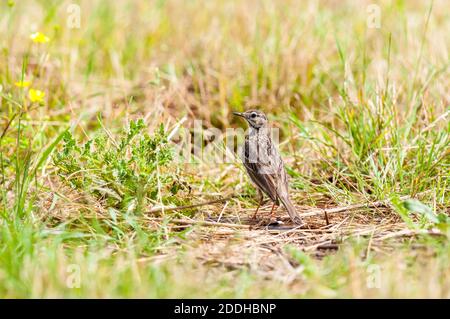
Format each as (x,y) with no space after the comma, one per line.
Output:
(89,170)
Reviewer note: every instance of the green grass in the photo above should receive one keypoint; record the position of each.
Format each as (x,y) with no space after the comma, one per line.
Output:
(363,117)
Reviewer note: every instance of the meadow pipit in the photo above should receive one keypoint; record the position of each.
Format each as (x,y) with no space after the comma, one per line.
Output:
(264,164)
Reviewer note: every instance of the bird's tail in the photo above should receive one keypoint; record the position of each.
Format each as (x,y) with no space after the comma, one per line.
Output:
(291,210)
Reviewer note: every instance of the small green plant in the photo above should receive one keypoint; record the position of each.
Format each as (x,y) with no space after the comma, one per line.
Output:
(127,173)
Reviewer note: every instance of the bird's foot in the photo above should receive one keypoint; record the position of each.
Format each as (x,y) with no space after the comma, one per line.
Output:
(268,221)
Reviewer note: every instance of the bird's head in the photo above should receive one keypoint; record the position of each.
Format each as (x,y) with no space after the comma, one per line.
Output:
(255,118)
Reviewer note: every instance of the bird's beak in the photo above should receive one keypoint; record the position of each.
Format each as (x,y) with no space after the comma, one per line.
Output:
(238,114)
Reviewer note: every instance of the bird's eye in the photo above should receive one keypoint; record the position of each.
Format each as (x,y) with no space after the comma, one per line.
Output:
(253,115)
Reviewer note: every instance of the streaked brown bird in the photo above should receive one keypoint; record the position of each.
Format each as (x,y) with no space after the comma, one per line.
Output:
(264,164)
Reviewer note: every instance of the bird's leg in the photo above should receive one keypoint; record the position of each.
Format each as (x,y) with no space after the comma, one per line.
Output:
(261,198)
(272,211)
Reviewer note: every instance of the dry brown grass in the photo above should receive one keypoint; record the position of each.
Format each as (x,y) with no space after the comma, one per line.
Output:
(363,115)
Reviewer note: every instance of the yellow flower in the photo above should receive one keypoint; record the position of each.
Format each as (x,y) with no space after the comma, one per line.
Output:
(36,95)
(39,37)
(22,84)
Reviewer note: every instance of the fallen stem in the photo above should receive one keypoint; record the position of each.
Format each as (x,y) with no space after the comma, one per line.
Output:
(343,209)
(169,209)
(199,222)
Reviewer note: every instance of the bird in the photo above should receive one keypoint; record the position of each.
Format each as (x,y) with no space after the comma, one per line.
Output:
(264,164)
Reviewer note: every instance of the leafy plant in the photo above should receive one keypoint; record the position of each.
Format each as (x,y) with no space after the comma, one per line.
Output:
(127,172)
(440,220)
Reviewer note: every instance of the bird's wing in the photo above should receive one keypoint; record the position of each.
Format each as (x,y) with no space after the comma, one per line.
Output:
(263,172)
(266,182)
